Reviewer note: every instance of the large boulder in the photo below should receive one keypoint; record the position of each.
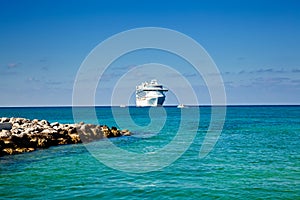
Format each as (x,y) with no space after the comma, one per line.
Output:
(5,126)
(5,134)
(4,119)
(115,132)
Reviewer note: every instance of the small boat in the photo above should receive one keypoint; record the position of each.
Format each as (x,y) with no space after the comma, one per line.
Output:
(181,106)
(122,106)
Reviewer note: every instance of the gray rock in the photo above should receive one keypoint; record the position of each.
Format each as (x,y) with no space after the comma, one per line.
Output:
(5,126)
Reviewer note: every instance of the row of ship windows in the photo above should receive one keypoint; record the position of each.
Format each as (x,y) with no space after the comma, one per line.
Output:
(141,94)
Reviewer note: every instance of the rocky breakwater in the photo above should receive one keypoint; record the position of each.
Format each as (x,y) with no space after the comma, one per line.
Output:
(18,135)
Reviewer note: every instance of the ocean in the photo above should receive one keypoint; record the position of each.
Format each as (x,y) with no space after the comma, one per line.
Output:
(257,156)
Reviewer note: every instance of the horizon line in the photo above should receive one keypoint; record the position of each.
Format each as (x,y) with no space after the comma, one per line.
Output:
(168,105)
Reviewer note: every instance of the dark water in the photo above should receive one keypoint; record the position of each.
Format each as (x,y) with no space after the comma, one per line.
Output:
(257,156)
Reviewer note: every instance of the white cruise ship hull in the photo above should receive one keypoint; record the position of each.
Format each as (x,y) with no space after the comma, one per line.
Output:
(153,102)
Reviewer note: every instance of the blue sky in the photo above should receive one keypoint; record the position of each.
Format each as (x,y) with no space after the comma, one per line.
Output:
(255,45)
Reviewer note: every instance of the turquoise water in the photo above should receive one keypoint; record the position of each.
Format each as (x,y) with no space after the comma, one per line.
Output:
(257,156)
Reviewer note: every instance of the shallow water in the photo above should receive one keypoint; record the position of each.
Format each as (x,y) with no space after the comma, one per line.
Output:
(257,156)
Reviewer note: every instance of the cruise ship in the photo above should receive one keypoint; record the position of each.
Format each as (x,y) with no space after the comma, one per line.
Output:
(150,94)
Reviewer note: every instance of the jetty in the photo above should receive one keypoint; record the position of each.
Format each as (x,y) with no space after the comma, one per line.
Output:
(19,135)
